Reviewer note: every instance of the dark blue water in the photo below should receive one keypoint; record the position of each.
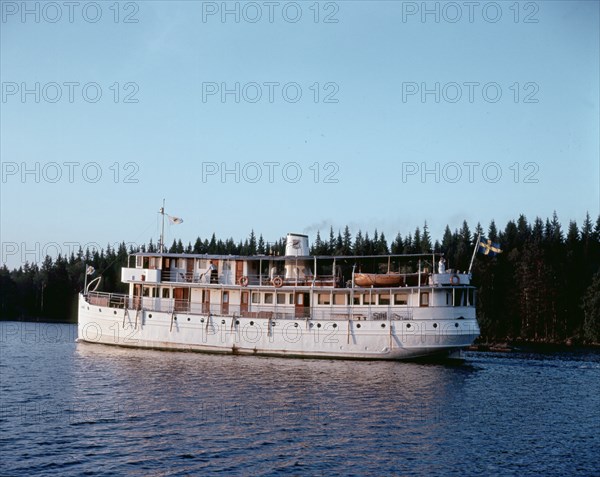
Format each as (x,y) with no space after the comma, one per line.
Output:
(82,409)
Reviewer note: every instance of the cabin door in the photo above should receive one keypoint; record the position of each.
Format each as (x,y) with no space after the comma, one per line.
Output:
(206,301)
(239,270)
(181,296)
(166,269)
(302,301)
(244,303)
(137,294)
(189,269)
(225,302)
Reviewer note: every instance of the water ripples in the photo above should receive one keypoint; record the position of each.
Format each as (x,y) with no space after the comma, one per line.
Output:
(83,409)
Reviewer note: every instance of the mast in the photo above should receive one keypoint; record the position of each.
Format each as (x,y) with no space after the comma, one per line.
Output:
(161,244)
(474,251)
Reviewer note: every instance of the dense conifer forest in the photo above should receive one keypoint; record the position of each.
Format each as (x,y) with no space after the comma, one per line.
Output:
(543,288)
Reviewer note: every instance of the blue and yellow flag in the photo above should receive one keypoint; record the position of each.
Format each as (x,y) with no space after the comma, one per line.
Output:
(487,247)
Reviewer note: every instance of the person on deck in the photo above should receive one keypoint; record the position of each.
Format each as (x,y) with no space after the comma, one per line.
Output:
(213,273)
(442,265)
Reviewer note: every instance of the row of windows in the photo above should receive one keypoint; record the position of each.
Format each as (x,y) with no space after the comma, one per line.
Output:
(461,299)
(363,299)
(269,298)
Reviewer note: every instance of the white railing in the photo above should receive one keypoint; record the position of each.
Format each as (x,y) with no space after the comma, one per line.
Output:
(170,305)
(181,276)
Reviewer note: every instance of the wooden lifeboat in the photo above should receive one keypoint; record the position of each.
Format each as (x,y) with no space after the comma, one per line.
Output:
(389,279)
(378,279)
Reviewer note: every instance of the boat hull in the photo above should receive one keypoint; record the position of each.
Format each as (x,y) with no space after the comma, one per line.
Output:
(298,338)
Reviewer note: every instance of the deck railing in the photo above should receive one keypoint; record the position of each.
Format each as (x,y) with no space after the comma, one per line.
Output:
(170,305)
(228,278)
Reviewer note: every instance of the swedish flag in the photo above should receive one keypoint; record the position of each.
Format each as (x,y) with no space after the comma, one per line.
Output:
(487,247)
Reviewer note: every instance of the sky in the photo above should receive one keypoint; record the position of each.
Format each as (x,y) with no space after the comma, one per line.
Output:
(292,117)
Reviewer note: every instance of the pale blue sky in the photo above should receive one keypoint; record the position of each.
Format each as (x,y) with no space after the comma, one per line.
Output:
(370,55)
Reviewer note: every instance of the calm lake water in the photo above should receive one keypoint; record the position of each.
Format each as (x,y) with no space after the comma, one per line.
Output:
(75,409)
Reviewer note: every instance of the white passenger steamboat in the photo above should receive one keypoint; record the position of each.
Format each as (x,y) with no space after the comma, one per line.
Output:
(295,305)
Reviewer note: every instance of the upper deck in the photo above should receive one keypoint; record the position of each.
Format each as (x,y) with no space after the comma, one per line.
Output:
(288,271)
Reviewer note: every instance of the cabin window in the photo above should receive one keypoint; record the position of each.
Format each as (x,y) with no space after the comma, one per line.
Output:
(368,299)
(256,298)
(225,297)
(152,262)
(425,299)
(291,302)
(146,292)
(165,293)
(268,298)
(448,298)
(357,299)
(339,299)
(146,262)
(154,292)
(324,299)
(281,298)
(384,299)
(400,299)
(226,266)
(138,262)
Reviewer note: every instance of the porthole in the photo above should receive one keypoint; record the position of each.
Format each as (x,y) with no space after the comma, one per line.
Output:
(150,315)
(189,318)
(222,322)
(408,325)
(358,325)
(115,312)
(335,325)
(435,325)
(318,325)
(383,325)
(175,318)
(252,323)
(456,325)
(295,325)
(311,325)
(201,320)
(100,310)
(237,322)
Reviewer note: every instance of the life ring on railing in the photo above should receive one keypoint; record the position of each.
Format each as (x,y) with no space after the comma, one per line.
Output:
(243,281)
(454,279)
(277,282)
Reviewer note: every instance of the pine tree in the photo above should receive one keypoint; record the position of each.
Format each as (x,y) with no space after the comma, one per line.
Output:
(260,248)
(591,307)
(426,240)
(347,242)
(397,244)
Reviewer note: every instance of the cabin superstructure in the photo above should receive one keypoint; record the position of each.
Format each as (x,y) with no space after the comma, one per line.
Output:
(300,288)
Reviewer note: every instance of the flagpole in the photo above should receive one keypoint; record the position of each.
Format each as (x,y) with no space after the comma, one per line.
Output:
(474,251)
(85,271)
(162,230)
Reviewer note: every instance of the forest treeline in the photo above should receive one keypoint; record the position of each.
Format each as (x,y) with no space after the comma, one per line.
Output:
(543,288)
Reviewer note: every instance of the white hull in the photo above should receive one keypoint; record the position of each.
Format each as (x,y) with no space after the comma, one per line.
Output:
(343,339)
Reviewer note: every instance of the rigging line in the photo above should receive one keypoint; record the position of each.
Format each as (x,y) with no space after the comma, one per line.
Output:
(116,258)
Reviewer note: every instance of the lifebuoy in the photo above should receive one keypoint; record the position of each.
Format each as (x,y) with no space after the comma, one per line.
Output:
(277,282)
(243,281)
(454,279)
